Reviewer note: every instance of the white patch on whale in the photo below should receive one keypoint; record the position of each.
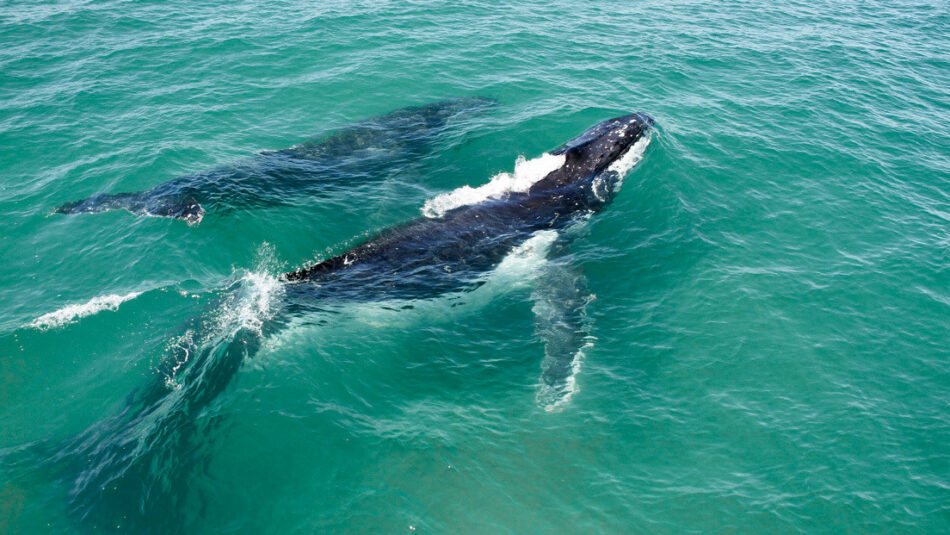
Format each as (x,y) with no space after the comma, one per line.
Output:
(623,165)
(552,398)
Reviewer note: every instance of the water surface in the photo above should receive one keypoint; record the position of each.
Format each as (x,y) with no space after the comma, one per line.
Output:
(768,339)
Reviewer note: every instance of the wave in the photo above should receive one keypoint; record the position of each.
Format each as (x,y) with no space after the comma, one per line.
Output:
(71,313)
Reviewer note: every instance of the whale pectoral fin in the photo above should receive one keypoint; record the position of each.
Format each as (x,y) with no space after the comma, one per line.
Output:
(560,301)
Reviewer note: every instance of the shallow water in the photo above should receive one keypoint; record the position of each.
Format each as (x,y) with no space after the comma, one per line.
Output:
(767,347)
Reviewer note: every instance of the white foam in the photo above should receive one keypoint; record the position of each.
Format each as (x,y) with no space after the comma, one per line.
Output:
(526,173)
(258,303)
(70,313)
(255,299)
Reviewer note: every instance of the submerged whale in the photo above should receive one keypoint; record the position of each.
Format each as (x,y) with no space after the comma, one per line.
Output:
(361,151)
(133,468)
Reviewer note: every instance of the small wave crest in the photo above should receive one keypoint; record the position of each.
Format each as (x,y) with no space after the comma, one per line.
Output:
(526,173)
(71,313)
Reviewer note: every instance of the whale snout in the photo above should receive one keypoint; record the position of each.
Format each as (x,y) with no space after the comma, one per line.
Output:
(643,118)
(638,120)
(622,132)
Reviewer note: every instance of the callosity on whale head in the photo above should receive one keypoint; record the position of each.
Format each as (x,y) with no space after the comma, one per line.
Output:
(599,147)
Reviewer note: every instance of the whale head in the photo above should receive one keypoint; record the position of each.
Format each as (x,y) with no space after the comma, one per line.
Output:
(604,143)
(594,152)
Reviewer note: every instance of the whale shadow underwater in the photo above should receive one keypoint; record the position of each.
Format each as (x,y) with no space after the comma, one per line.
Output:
(132,470)
(356,153)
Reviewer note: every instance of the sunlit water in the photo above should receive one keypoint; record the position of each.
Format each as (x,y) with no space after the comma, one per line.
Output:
(768,314)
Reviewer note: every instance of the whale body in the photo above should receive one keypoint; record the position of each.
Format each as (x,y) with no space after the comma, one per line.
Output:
(358,152)
(430,255)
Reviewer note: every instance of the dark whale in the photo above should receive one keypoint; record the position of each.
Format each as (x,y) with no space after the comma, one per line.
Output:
(133,468)
(361,151)
(428,256)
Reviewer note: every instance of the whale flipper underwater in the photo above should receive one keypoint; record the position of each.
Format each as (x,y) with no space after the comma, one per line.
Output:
(361,151)
(133,469)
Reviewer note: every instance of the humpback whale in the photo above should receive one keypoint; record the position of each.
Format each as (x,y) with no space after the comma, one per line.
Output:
(364,150)
(430,256)
(134,468)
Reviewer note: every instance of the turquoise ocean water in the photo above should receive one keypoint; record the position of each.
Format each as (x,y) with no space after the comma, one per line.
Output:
(768,327)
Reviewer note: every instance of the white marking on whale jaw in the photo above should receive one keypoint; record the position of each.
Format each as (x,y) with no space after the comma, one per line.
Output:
(624,164)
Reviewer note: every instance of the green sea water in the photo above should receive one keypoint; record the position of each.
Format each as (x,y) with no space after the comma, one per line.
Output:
(767,347)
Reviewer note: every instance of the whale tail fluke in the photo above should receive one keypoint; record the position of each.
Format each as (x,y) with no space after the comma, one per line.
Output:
(143,203)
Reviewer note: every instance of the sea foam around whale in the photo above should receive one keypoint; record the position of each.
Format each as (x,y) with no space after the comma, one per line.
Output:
(526,174)
(252,299)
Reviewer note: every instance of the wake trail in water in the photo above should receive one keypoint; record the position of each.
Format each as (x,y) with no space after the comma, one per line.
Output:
(72,313)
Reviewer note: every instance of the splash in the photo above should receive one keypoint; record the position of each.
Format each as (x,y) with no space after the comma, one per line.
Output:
(247,305)
(254,297)
(72,313)
(252,303)
(526,173)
